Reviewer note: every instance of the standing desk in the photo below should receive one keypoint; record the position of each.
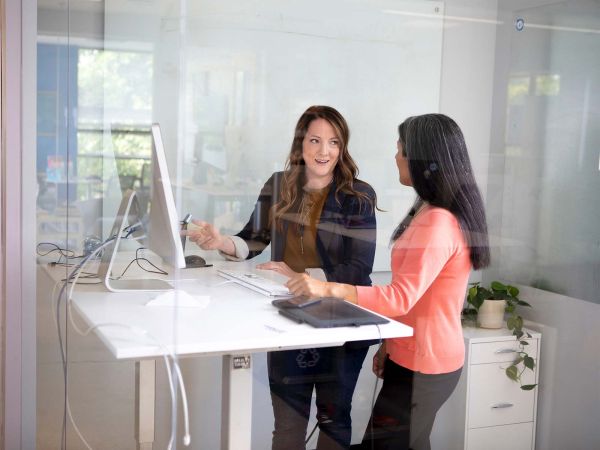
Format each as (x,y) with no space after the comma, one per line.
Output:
(235,322)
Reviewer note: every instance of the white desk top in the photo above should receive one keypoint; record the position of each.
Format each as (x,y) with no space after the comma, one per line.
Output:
(236,320)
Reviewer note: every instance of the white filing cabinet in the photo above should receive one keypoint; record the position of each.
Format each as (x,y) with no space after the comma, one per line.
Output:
(488,411)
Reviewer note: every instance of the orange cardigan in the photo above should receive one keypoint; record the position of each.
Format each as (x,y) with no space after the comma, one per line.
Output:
(430,271)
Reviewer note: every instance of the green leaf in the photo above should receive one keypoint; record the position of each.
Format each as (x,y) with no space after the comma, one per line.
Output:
(512,290)
(497,286)
(519,322)
(511,323)
(472,292)
(512,372)
(528,387)
(523,342)
(517,361)
(522,303)
(518,333)
(510,308)
(529,362)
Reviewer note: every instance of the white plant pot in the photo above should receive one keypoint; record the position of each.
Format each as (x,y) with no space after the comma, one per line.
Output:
(491,314)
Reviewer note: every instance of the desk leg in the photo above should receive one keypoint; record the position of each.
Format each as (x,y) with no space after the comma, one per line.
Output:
(145,383)
(236,413)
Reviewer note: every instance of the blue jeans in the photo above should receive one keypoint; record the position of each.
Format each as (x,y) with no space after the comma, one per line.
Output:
(332,372)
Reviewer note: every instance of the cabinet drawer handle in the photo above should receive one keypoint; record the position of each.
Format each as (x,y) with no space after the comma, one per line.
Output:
(506,350)
(502,405)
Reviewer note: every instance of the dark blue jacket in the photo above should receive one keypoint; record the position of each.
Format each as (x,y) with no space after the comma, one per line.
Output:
(346,232)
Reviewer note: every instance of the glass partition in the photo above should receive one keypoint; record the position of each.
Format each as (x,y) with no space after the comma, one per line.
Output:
(551,169)
(227,82)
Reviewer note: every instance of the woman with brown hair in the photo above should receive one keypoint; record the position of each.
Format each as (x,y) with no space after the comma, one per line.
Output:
(319,218)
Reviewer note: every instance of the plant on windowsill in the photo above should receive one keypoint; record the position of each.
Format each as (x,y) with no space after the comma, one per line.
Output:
(487,307)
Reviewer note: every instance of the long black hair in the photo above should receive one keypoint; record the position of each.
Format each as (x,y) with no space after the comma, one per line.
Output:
(441,174)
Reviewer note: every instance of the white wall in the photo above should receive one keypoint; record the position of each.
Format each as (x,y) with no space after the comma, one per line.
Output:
(569,381)
(467,76)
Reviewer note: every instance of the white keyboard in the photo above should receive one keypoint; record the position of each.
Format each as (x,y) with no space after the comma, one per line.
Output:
(255,282)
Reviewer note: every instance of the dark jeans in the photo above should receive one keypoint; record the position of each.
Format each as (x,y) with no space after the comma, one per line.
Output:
(332,372)
(406,407)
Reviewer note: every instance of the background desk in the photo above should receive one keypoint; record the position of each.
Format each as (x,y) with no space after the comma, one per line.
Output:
(235,323)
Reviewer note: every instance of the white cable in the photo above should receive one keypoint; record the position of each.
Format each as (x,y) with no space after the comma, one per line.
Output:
(167,353)
(173,401)
(165,356)
(186,438)
(78,270)
(71,418)
(75,427)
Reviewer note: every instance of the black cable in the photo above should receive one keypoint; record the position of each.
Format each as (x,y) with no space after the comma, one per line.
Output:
(62,264)
(86,275)
(137,260)
(311,433)
(83,275)
(63,252)
(158,269)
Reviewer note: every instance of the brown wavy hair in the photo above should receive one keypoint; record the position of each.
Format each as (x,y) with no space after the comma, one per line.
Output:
(344,173)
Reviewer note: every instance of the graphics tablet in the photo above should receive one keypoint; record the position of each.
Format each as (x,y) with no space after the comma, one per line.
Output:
(330,312)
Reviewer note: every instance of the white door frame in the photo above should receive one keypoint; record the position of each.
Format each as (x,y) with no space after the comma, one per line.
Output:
(17,229)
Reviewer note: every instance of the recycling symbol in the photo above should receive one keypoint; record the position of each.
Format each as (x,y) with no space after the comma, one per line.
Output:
(307,358)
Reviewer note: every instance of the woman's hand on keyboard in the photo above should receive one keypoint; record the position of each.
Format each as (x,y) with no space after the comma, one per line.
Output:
(302,284)
(279,267)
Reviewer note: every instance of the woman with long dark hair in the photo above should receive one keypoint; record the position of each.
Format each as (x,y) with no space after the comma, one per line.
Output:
(318,217)
(434,249)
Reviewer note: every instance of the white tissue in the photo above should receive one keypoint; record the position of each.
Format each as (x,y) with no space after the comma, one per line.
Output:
(180,299)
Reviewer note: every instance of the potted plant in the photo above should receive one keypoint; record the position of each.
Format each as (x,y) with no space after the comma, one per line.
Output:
(488,307)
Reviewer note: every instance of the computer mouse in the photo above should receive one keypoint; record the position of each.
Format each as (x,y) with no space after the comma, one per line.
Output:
(192,261)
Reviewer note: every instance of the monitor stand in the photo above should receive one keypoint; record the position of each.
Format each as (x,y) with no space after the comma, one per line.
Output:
(127,215)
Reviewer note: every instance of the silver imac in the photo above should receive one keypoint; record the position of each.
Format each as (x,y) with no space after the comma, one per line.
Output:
(162,233)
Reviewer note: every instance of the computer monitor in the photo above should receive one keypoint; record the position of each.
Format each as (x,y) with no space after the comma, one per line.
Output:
(162,227)
(164,224)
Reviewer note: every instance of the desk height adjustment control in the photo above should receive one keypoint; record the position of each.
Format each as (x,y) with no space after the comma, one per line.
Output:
(241,362)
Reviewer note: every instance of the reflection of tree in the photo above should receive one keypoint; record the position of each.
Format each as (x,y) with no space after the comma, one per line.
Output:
(518,89)
(114,86)
(131,148)
(115,80)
